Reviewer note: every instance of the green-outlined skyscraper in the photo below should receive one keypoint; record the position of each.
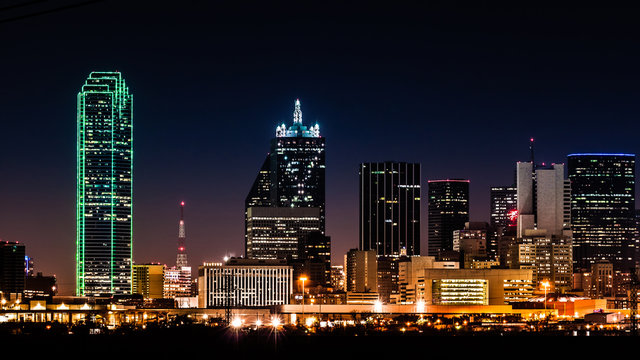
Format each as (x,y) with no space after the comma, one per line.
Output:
(104,186)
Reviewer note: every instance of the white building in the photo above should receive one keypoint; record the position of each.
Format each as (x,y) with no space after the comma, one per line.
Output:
(245,283)
(544,238)
(544,199)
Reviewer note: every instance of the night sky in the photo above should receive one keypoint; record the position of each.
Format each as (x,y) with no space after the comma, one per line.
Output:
(459,90)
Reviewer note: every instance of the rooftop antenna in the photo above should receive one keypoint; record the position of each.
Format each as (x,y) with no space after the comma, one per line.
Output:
(531,151)
(181,260)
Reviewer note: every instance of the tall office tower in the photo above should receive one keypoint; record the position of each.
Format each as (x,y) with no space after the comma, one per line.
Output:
(504,206)
(448,211)
(104,177)
(12,269)
(181,260)
(543,236)
(293,173)
(543,198)
(390,208)
(504,215)
(603,209)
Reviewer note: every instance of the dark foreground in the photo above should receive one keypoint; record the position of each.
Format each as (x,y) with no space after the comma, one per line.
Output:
(213,343)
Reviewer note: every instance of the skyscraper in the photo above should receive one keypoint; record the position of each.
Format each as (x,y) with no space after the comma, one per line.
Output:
(292,175)
(543,198)
(298,166)
(104,178)
(448,211)
(603,209)
(504,216)
(543,236)
(390,208)
(504,207)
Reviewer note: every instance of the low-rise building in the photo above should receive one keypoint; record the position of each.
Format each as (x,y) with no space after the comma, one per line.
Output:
(148,280)
(245,283)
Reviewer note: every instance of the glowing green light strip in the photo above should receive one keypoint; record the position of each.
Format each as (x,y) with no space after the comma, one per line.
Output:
(119,96)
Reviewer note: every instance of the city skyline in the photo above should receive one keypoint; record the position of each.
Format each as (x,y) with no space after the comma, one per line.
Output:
(364,107)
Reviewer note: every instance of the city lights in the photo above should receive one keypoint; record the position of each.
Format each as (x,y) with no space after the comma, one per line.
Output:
(522,239)
(377,306)
(275,322)
(236,323)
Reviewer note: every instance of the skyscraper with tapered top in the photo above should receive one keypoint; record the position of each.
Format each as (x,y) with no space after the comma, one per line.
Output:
(104,186)
(292,176)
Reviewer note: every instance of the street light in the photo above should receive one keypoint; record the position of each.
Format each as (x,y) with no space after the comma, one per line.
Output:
(275,322)
(546,285)
(236,323)
(303,279)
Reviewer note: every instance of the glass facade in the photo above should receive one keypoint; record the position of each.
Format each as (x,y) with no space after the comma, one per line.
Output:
(292,176)
(390,208)
(298,173)
(504,205)
(448,211)
(603,209)
(104,186)
(276,232)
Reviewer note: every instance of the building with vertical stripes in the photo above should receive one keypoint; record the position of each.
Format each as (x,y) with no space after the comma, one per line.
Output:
(148,280)
(245,283)
(104,186)
(390,208)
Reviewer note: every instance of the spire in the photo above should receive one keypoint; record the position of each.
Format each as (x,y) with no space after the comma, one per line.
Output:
(181,260)
(297,129)
(181,233)
(297,113)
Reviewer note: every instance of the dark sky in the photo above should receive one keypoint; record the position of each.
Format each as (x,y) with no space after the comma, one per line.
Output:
(459,90)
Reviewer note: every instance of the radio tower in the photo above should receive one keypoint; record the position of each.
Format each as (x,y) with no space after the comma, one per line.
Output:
(181,260)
